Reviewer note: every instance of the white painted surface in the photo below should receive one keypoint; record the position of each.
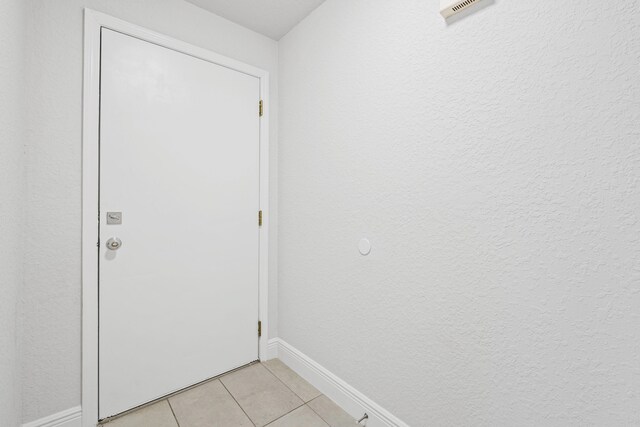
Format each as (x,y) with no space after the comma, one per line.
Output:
(52,289)
(273,18)
(71,417)
(273,348)
(94,22)
(12,203)
(353,401)
(494,162)
(364,246)
(179,157)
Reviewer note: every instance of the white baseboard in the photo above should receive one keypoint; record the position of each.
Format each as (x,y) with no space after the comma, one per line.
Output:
(272,348)
(347,397)
(71,417)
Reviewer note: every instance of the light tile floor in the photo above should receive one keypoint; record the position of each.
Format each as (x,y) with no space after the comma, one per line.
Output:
(263,394)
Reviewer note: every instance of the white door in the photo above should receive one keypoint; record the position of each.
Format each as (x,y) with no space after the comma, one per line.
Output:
(179,188)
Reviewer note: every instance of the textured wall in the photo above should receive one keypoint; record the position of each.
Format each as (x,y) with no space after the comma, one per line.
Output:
(12,199)
(52,359)
(495,165)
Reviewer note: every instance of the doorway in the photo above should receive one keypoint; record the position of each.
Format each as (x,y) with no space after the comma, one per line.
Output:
(180,283)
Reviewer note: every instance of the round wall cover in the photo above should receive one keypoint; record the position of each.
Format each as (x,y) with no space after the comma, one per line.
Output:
(364,246)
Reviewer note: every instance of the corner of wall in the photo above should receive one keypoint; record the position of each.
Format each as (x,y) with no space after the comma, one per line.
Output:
(12,193)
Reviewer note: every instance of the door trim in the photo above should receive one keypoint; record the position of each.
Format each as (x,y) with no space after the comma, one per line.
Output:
(93,22)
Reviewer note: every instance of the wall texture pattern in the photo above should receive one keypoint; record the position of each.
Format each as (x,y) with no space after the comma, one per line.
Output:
(52,291)
(12,186)
(494,163)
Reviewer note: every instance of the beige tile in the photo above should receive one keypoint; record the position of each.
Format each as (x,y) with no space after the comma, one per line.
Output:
(301,417)
(208,405)
(156,415)
(334,415)
(262,396)
(299,386)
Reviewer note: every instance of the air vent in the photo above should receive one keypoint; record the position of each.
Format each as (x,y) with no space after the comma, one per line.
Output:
(449,8)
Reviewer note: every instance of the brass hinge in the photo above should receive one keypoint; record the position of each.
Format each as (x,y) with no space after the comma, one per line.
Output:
(259,328)
(260,218)
(261,108)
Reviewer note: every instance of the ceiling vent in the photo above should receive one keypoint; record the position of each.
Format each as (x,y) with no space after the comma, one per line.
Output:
(449,8)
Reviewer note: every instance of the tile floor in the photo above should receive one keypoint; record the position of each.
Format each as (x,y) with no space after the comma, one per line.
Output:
(263,394)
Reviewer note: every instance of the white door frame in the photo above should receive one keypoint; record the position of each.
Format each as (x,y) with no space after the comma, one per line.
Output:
(93,22)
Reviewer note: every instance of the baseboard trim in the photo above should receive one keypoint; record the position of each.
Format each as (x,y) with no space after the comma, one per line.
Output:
(272,348)
(346,396)
(71,417)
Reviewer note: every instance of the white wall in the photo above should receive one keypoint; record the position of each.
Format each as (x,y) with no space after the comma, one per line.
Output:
(12,183)
(52,359)
(495,165)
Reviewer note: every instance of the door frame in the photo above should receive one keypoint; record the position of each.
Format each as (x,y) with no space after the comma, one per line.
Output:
(93,22)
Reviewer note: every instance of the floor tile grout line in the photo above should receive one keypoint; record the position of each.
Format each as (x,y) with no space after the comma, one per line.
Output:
(237,403)
(273,374)
(176,393)
(301,398)
(355,421)
(173,412)
(284,415)
(316,412)
(285,384)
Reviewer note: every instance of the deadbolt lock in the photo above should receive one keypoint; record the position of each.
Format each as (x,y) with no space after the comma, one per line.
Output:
(114,218)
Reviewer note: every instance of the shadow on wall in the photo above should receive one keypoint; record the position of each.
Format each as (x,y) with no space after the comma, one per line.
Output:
(479,5)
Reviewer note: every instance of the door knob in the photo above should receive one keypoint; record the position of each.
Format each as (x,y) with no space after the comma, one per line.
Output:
(114,243)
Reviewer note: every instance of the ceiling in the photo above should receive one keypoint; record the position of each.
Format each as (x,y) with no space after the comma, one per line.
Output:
(273,18)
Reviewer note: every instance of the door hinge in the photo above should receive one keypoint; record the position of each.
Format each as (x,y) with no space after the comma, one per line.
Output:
(259,328)
(259,218)
(261,108)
